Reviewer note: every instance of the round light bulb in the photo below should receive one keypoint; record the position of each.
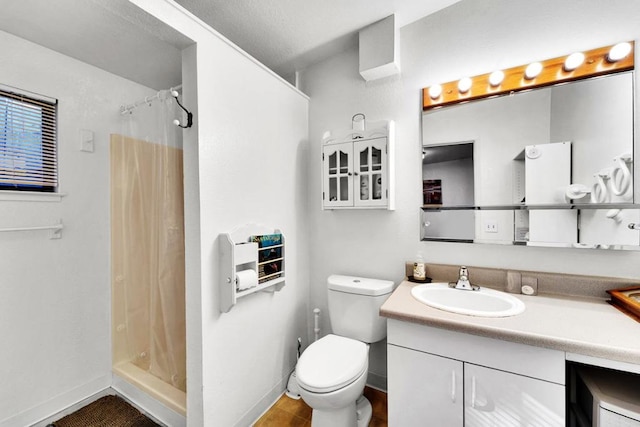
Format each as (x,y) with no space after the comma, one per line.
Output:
(496,77)
(573,61)
(176,122)
(435,91)
(174,93)
(619,51)
(464,84)
(533,70)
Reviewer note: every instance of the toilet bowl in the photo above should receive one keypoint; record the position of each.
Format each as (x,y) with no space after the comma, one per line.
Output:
(332,372)
(331,375)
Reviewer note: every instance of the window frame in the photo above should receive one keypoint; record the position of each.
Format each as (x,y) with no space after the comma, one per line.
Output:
(48,139)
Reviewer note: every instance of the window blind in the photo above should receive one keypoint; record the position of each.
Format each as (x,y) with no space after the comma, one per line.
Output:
(28,159)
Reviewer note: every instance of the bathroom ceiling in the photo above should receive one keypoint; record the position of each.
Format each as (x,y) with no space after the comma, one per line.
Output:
(285,35)
(113,35)
(289,35)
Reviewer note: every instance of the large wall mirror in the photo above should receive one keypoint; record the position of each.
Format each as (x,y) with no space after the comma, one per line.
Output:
(551,166)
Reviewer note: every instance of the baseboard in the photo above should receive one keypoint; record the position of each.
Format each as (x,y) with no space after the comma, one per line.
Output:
(272,396)
(377,381)
(146,404)
(49,411)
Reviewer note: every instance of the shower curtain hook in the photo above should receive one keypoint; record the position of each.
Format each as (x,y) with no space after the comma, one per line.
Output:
(176,122)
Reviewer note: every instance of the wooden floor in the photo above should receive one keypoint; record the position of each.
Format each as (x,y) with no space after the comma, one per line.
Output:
(294,413)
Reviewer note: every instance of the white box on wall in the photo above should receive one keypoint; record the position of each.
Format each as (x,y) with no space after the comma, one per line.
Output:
(379,47)
(547,173)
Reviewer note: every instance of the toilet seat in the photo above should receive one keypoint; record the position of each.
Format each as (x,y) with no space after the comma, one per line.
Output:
(331,363)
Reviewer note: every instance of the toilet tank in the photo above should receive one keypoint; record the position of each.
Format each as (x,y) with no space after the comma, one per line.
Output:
(354,306)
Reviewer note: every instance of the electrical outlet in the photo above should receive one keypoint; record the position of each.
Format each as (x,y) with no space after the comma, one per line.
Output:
(491,226)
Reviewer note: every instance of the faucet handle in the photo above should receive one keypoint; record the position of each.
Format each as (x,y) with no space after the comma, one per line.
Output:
(463,271)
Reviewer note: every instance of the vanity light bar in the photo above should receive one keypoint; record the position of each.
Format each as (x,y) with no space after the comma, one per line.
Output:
(579,65)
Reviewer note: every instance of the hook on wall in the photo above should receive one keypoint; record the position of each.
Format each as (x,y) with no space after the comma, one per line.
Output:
(176,122)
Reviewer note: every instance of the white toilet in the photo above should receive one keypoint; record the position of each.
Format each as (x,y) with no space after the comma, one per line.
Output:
(332,371)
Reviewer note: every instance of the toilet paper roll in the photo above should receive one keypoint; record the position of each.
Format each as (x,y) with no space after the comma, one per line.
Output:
(246,279)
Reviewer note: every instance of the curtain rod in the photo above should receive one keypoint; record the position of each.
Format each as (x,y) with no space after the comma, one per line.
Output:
(124,109)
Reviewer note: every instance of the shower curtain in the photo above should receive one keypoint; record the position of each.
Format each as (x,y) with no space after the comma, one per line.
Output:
(147,240)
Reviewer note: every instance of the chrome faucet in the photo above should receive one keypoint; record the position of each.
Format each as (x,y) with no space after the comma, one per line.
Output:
(463,280)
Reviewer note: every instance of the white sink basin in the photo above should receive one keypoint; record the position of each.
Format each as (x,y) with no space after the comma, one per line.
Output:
(483,302)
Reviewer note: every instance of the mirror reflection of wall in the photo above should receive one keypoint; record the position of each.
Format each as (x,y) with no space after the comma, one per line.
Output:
(593,118)
(450,165)
(456,225)
(595,115)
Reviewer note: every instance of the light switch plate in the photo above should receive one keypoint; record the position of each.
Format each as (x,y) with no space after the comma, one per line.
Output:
(86,141)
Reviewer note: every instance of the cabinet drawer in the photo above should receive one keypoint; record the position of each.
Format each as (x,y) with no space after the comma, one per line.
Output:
(536,362)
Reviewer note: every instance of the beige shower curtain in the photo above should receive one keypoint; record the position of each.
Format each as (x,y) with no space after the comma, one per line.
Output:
(147,251)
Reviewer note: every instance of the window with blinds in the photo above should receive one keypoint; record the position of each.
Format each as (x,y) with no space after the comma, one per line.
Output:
(28,160)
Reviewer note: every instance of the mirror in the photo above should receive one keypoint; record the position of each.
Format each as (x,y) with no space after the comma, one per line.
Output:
(551,166)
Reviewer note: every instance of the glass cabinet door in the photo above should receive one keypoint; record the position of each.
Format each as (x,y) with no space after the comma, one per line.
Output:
(338,183)
(371,179)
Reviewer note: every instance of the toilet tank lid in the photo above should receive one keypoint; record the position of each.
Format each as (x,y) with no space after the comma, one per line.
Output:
(359,285)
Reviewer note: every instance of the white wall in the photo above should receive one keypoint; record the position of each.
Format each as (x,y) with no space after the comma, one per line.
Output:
(245,161)
(468,38)
(55,294)
(252,169)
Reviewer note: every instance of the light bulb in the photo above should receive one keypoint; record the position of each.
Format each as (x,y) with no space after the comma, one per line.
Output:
(435,91)
(174,93)
(464,84)
(533,70)
(573,61)
(618,52)
(496,77)
(176,122)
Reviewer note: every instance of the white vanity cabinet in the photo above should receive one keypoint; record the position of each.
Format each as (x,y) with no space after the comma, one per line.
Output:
(357,169)
(424,389)
(496,398)
(504,383)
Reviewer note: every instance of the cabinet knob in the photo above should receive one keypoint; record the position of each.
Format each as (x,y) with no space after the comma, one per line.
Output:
(355,173)
(349,173)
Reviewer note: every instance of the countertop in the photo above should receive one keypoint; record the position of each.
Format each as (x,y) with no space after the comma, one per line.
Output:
(577,325)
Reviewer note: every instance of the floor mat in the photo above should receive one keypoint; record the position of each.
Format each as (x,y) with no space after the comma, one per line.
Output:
(108,411)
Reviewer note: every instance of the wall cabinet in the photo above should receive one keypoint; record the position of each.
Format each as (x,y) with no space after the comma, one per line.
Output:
(504,383)
(357,168)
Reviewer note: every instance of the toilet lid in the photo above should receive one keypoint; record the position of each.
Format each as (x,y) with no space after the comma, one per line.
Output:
(331,363)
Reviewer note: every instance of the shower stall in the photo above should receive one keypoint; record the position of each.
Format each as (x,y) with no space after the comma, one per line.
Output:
(147,251)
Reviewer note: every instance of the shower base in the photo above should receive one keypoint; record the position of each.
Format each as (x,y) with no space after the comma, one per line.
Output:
(168,395)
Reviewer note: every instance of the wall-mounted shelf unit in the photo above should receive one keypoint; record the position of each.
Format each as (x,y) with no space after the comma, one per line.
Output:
(252,259)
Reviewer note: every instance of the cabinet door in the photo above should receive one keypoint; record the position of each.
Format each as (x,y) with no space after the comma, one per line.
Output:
(497,398)
(337,164)
(371,177)
(423,389)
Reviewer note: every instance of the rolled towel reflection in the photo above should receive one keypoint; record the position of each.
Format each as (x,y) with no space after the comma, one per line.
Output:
(621,175)
(577,191)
